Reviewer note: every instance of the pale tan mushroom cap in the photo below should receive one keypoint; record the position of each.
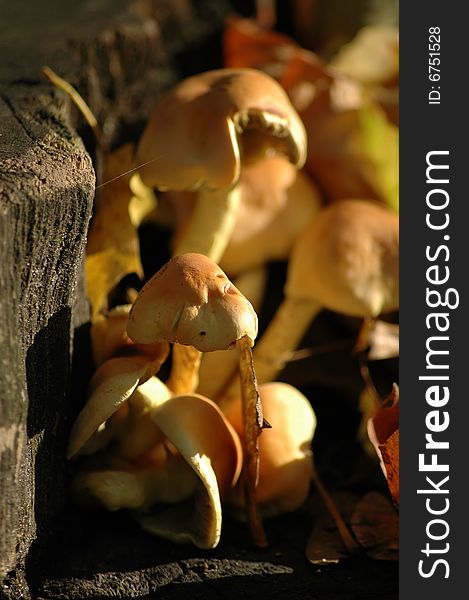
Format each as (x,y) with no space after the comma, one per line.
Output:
(205,439)
(112,385)
(191,301)
(276,203)
(197,428)
(202,464)
(285,450)
(348,260)
(201,130)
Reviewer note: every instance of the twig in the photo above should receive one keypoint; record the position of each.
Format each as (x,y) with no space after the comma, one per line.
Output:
(79,102)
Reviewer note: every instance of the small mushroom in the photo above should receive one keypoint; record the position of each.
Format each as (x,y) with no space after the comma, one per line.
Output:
(113,384)
(201,133)
(286,466)
(218,367)
(191,301)
(345,261)
(200,466)
(277,202)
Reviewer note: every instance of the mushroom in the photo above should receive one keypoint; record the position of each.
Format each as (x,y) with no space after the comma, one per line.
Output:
(345,261)
(219,366)
(286,467)
(276,202)
(198,137)
(201,133)
(191,301)
(115,382)
(199,461)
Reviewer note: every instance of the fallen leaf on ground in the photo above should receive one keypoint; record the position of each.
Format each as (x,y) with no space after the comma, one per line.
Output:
(375,524)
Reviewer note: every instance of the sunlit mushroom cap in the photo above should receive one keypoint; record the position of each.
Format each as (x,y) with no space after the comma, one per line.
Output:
(191,301)
(285,449)
(112,385)
(348,259)
(208,443)
(203,466)
(203,129)
(276,203)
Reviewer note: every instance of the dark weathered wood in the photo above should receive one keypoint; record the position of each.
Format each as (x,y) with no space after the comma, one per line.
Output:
(121,55)
(46,194)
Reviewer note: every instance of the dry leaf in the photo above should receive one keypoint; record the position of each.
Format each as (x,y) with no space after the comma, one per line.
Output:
(142,203)
(372,58)
(383,432)
(325,544)
(390,456)
(245,44)
(375,523)
(103,271)
(113,248)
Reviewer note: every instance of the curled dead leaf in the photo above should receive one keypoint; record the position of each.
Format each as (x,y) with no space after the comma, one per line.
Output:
(113,248)
(383,432)
(375,524)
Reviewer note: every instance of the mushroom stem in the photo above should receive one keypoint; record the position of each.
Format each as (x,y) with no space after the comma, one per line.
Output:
(361,349)
(282,337)
(208,233)
(184,377)
(252,421)
(211,224)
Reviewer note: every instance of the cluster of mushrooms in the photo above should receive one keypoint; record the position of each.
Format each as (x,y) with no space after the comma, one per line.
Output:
(226,147)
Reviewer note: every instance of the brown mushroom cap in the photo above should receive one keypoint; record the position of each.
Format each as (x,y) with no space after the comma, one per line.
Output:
(276,203)
(201,130)
(347,260)
(191,301)
(285,450)
(210,445)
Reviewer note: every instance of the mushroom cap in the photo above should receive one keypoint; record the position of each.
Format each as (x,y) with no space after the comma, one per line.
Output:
(191,301)
(209,444)
(202,129)
(348,260)
(201,464)
(111,386)
(285,450)
(276,203)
